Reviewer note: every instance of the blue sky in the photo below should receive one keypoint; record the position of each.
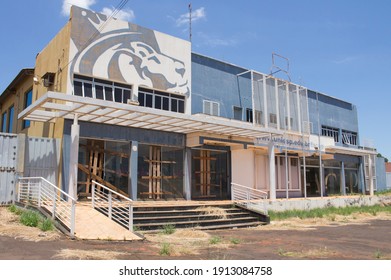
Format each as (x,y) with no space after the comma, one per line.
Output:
(340,48)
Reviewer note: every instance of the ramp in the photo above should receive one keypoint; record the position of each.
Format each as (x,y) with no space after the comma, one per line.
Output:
(91,224)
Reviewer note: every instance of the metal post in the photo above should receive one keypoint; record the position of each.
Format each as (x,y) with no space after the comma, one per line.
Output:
(319,148)
(93,195)
(39,192)
(343,182)
(130,217)
(73,217)
(54,204)
(110,205)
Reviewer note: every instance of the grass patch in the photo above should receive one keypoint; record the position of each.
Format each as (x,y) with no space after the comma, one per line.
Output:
(165,250)
(235,240)
(30,218)
(215,240)
(329,212)
(168,229)
(46,225)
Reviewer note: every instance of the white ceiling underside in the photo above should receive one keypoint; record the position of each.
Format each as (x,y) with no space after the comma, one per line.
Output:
(55,105)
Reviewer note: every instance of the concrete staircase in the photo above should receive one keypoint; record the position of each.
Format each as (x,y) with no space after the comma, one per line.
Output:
(207,216)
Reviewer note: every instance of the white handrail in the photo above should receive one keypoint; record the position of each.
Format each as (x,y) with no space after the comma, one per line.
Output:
(40,192)
(115,205)
(249,198)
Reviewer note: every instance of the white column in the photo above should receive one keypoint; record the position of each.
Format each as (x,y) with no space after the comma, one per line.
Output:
(272,171)
(343,181)
(73,159)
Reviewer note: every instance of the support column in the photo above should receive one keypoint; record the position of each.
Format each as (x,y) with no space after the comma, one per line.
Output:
(343,182)
(187,174)
(133,168)
(272,171)
(74,158)
(362,177)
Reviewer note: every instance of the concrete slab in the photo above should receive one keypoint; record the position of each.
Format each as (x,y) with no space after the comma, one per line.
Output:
(90,224)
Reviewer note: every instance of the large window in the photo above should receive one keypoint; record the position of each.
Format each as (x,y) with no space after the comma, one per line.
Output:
(28,99)
(101,89)
(349,138)
(331,132)
(161,100)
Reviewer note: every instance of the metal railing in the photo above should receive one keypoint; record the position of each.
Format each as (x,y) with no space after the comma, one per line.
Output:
(39,192)
(249,198)
(117,207)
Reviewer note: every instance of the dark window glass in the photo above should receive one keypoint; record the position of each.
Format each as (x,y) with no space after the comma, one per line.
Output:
(109,93)
(10,119)
(87,90)
(126,96)
(99,92)
(158,102)
(148,100)
(118,95)
(174,105)
(181,105)
(27,102)
(166,104)
(141,98)
(78,88)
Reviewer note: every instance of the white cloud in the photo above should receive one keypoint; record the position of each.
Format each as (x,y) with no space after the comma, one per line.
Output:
(126,14)
(214,41)
(66,5)
(195,16)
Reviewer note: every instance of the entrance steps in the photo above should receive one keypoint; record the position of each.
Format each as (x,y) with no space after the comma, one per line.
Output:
(150,217)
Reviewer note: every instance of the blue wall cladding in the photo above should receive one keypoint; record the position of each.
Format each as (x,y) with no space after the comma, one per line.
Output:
(333,113)
(220,82)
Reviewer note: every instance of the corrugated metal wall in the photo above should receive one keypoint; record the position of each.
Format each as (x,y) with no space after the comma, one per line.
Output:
(42,158)
(388,178)
(8,159)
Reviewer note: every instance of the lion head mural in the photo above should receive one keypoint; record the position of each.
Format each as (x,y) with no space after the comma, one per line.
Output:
(125,52)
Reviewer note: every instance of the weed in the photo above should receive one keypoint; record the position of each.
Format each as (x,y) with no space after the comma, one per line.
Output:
(136,228)
(235,240)
(215,240)
(46,225)
(165,250)
(29,218)
(168,229)
(330,212)
(15,209)
(378,254)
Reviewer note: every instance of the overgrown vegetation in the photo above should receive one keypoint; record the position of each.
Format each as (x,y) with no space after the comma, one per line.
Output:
(168,229)
(329,212)
(215,240)
(32,218)
(165,250)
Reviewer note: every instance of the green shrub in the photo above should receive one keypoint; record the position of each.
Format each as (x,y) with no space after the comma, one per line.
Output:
(15,209)
(215,240)
(168,229)
(29,218)
(46,225)
(165,250)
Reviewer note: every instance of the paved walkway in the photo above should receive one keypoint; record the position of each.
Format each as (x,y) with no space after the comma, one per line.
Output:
(90,224)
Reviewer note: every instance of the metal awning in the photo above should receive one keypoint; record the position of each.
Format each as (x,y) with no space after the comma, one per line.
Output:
(53,105)
(350,151)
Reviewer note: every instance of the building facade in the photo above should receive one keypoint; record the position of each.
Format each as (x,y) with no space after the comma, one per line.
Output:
(137,111)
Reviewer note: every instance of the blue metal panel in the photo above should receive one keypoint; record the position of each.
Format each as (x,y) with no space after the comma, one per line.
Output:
(381,180)
(332,113)
(219,82)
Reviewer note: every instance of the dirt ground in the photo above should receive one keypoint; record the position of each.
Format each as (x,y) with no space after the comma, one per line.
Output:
(361,236)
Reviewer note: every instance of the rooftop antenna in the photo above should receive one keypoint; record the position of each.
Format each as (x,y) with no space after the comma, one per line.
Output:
(275,68)
(190,22)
